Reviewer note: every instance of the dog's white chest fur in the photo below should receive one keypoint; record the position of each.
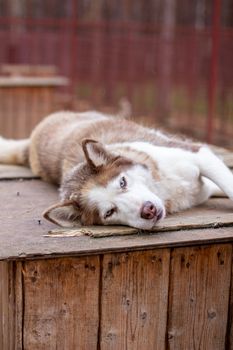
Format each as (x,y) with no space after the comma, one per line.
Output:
(180,184)
(180,176)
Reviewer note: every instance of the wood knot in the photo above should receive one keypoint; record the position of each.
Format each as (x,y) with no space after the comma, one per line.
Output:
(111,336)
(211,314)
(171,334)
(143,315)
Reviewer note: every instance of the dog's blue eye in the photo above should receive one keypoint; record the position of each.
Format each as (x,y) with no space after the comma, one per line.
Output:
(123,182)
(109,213)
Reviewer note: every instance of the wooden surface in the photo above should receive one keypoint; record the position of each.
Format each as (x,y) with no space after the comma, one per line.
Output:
(5,305)
(11,305)
(23,228)
(64,287)
(19,81)
(22,108)
(229,340)
(25,101)
(28,70)
(202,277)
(137,285)
(12,172)
(156,299)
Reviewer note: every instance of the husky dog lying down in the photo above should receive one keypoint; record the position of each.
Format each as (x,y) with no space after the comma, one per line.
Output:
(114,171)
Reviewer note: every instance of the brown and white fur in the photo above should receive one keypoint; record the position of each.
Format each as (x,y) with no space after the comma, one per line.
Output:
(114,171)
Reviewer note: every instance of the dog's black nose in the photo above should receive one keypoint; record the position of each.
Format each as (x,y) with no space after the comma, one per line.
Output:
(148,210)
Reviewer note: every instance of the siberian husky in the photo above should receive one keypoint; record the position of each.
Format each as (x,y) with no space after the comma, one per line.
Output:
(114,171)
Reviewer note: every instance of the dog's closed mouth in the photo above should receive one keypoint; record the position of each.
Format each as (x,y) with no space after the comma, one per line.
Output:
(159,215)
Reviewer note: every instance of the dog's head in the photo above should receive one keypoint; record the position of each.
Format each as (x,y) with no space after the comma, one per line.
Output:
(107,189)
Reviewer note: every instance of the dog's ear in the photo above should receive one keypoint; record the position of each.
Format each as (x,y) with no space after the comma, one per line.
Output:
(95,153)
(65,214)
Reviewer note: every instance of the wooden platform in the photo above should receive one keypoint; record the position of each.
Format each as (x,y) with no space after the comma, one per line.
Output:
(26,100)
(171,289)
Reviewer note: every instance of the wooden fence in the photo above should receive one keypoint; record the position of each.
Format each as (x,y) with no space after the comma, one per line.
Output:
(178,73)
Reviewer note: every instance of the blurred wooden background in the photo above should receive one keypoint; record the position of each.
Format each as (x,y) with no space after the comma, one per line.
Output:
(171,59)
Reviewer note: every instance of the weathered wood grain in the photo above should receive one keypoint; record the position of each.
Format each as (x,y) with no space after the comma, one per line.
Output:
(134,299)
(5,317)
(198,297)
(10,307)
(229,339)
(25,70)
(15,172)
(18,310)
(61,304)
(27,100)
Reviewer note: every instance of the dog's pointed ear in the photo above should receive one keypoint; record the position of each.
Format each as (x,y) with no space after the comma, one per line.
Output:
(95,153)
(65,214)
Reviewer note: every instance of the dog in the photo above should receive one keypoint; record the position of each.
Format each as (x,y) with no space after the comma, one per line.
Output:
(114,171)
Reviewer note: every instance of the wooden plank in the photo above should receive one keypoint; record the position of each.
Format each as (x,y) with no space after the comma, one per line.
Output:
(23,228)
(28,70)
(9,112)
(18,305)
(4,302)
(134,300)
(18,81)
(61,304)
(229,338)
(198,297)
(224,154)
(15,172)
(228,160)
(10,307)
(20,128)
(2,110)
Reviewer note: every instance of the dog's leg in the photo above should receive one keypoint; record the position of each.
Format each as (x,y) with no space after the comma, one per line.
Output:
(215,191)
(214,169)
(14,151)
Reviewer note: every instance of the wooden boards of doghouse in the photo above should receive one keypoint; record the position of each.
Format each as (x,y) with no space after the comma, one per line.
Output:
(11,305)
(136,284)
(25,101)
(65,314)
(155,299)
(198,300)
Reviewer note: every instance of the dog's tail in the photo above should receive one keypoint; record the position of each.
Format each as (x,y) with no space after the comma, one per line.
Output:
(14,151)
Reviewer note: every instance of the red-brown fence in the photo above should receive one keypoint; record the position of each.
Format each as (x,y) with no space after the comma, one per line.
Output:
(179,75)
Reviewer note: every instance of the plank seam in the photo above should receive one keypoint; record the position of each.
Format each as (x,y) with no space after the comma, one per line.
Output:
(168,298)
(23,303)
(100,301)
(19,178)
(12,285)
